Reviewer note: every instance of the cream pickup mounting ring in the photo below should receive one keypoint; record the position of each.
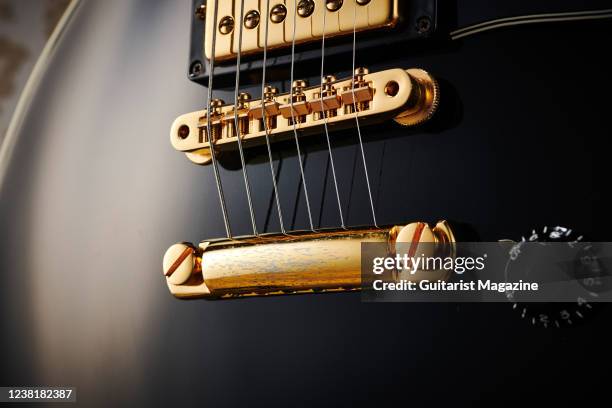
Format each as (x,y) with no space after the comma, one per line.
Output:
(410,97)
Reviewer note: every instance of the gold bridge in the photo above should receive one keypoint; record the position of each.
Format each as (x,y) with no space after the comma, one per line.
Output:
(306,262)
(409,96)
(286,17)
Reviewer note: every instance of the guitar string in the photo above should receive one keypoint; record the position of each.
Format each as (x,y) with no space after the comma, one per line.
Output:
(265,122)
(245,175)
(363,158)
(295,134)
(228,230)
(329,147)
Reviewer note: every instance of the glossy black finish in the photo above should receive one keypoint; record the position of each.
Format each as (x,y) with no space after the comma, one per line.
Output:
(95,194)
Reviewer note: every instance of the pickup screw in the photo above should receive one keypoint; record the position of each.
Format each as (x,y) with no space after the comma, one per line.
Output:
(305,8)
(195,69)
(278,13)
(423,25)
(251,20)
(226,25)
(334,5)
(200,12)
(363,2)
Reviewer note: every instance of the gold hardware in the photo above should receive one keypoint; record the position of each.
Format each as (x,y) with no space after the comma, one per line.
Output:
(243,113)
(251,20)
(179,263)
(305,8)
(425,100)
(304,262)
(212,121)
(200,156)
(360,72)
(200,11)
(226,25)
(297,108)
(363,2)
(327,105)
(278,13)
(410,96)
(229,120)
(349,15)
(333,5)
(270,92)
(271,108)
(359,94)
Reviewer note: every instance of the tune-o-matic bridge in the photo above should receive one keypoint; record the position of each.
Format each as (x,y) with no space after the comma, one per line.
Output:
(409,96)
(286,20)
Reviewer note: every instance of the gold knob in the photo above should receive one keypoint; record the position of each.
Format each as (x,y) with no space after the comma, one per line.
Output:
(425,105)
(179,263)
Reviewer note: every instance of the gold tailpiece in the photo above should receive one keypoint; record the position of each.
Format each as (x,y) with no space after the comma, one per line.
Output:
(275,264)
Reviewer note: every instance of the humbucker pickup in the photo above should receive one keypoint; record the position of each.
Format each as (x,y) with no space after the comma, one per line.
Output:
(288,21)
(410,97)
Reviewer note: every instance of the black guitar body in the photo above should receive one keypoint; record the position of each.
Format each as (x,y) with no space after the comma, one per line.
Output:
(94,194)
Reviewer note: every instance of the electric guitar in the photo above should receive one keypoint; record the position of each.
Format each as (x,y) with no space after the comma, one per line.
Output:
(270,139)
